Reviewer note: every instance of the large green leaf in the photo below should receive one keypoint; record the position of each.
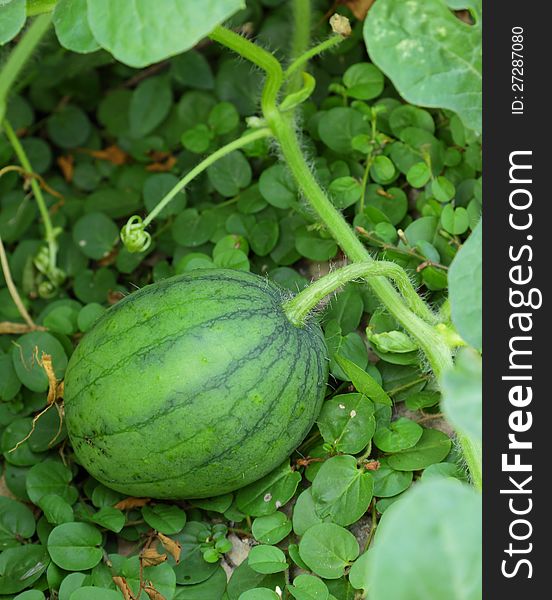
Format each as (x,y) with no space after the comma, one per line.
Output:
(428,545)
(465,288)
(153,31)
(462,394)
(432,57)
(12,19)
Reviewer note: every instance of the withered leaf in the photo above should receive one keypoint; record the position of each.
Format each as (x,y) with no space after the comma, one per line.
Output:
(151,558)
(359,8)
(121,583)
(163,162)
(173,547)
(153,593)
(112,154)
(66,165)
(128,503)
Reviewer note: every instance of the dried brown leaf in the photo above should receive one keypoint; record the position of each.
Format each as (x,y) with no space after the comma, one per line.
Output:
(122,584)
(67,166)
(151,558)
(112,154)
(173,547)
(359,8)
(153,593)
(128,503)
(9,328)
(162,162)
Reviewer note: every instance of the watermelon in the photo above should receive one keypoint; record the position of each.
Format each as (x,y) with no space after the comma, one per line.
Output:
(194,386)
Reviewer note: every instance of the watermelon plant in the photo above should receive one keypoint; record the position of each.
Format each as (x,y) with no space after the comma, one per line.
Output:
(240,350)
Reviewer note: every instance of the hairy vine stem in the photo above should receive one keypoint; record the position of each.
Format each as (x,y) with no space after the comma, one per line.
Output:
(299,307)
(19,56)
(133,234)
(49,234)
(300,38)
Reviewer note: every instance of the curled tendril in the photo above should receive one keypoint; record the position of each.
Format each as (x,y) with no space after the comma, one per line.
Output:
(55,276)
(134,235)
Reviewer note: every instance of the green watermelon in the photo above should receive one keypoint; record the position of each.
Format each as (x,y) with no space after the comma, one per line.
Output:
(194,386)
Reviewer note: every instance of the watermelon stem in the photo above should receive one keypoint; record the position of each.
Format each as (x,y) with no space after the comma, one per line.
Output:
(298,308)
(134,235)
(18,58)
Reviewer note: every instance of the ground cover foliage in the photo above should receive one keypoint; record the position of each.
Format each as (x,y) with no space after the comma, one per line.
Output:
(378,502)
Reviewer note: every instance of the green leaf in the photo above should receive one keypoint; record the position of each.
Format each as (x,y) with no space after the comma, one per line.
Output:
(75,546)
(465,288)
(271,529)
(264,237)
(388,482)
(88,315)
(166,518)
(432,57)
(455,220)
(363,382)
(418,174)
(95,593)
(150,104)
(223,118)
(382,169)
(400,435)
(218,504)
(267,559)
(151,34)
(50,477)
(191,228)
(359,573)
(110,518)
(339,126)
(462,394)
(296,98)
(71,24)
(17,523)
(308,587)
(192,567)
(230,174)
(345,191)
(30,595)
(94,286)
(342,491)
(391,341)
(304,513)
(430,553)
(69,127)
(56,509)
(72,582)
(12,18)
(213,587)
(14,434)
(20,567)
(347,422)
(327,549)
(363,81)
(9,382)
(244,578)
(278,187)
(443,189)
(95,235)
(27,359)
(259,594)
(432,447)
(265,496)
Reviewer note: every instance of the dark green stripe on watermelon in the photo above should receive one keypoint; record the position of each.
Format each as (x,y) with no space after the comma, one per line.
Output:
(194,386)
